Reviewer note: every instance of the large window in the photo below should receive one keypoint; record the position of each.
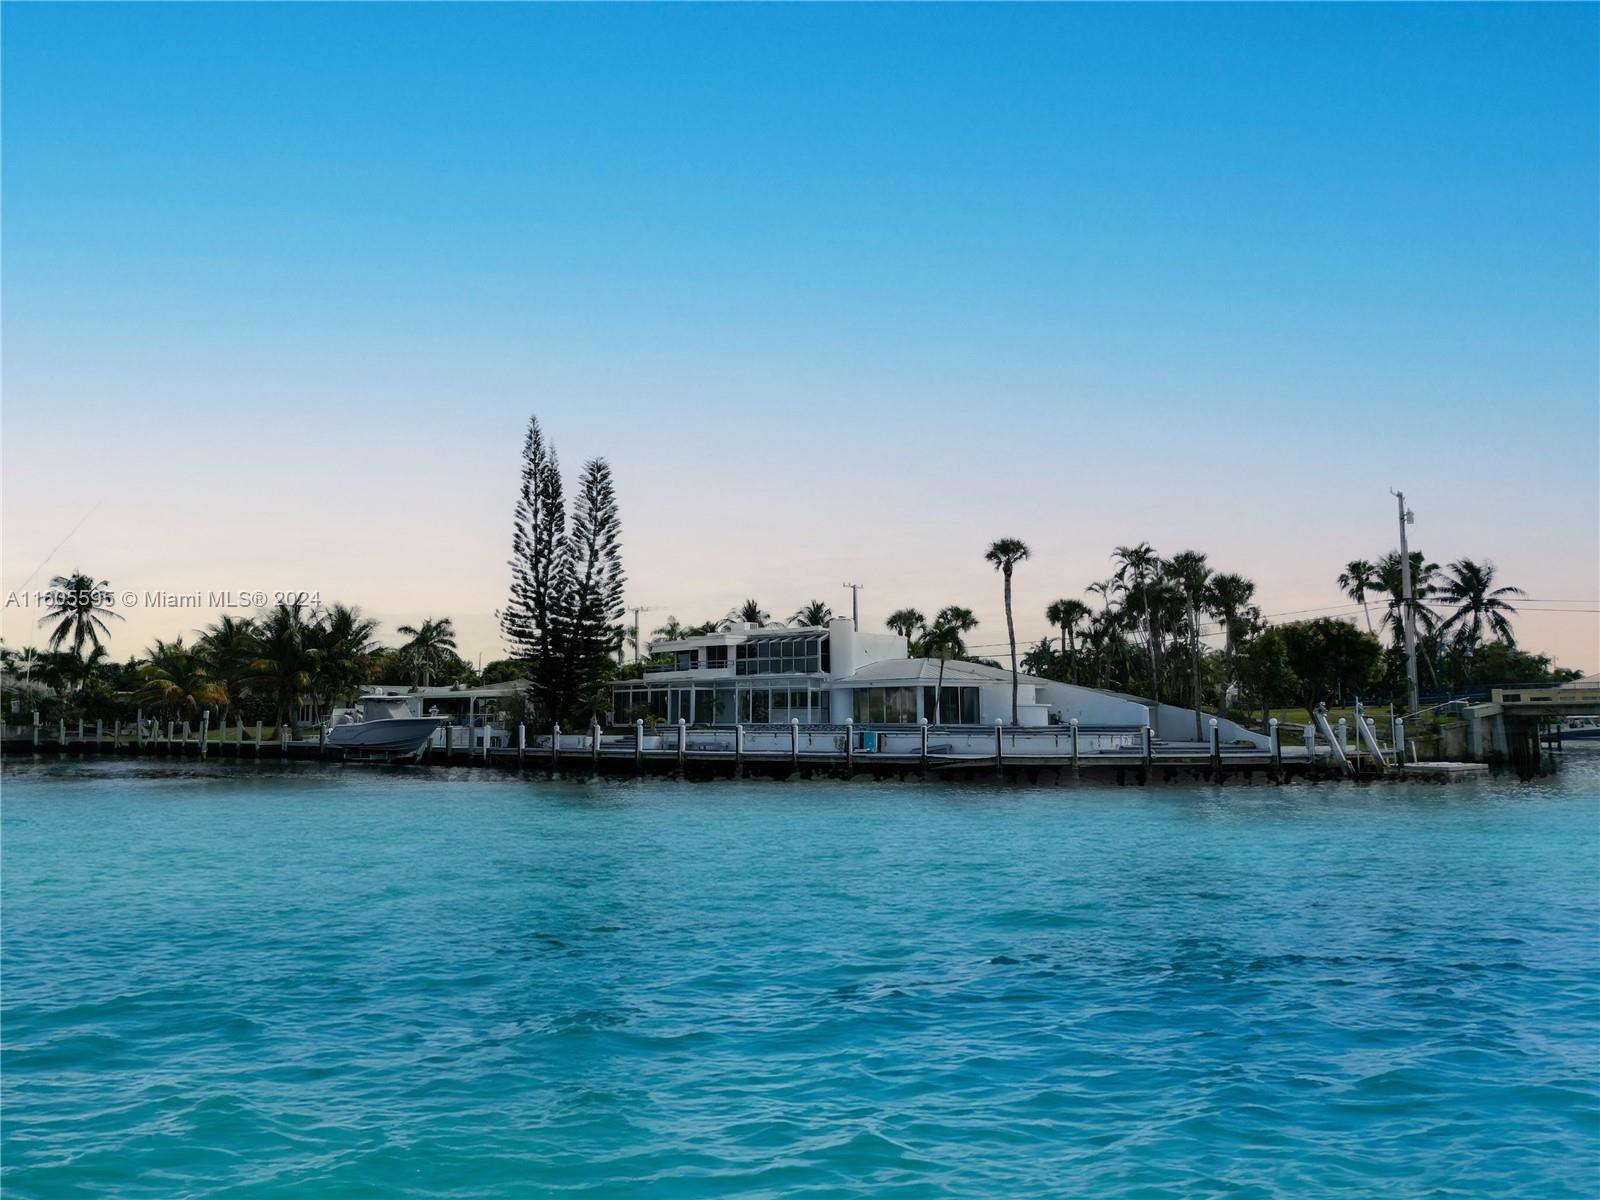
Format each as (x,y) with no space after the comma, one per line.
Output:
(886,706)
(716,656)
(803,654)
(959,706)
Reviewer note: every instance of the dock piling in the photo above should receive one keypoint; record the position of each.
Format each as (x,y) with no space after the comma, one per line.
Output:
(1275,747)
(638,745)
(555,747)
(1073,725)
(1216,749)
(794,744)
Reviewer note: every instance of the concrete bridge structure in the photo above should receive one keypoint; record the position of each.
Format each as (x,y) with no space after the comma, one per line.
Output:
(1510,727)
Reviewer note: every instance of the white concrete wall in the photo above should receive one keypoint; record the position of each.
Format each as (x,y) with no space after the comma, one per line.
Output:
(1174,724)
(849,651)
(1090,707)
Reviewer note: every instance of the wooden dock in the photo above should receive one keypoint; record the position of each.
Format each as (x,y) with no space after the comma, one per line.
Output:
(700,758)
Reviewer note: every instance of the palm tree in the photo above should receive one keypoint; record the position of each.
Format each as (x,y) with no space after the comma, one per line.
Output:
(432,645)
(343,651)
(814,614)
(1137,566)
(670,632)
(752,612)
(229,647)
(1005,554)
(1230,602)
(1423,575)
(1067,615)
(177,682)
(906,622)
(285,663)
(1470,587)
(1192,577)
(79,610)
(1357,579)
(946,638)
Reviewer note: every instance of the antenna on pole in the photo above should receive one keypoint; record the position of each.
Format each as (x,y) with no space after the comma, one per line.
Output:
(636,610)
(1408,604)
(855,604)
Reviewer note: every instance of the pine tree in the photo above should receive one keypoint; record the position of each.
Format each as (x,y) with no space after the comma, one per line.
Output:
(591,622)
(530,618)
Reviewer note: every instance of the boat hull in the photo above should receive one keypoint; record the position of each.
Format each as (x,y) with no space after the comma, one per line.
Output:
(404,735)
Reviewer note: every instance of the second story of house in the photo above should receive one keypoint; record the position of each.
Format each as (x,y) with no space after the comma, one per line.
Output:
(832,651)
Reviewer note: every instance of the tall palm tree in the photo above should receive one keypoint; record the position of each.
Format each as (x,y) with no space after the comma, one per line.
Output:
(1004,555)
(285,661)
(670,632)
(752,612)
(906,622)
(816,613)
(229,647)
(946,638)
(78,608)
(1470,587)
(343,653)
(1067,615)
(1191,575)
(1230,603)
(1357,579)
(431,647)
(1137,567)
(1424,575)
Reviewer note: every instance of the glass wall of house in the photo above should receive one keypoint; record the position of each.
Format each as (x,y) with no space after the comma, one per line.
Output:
(711,705)
(801,654)
(885,706)
(957,705)
(778,705)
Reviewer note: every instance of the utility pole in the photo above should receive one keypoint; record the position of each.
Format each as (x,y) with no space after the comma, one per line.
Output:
(636,610)
(1408,602)
(855,604)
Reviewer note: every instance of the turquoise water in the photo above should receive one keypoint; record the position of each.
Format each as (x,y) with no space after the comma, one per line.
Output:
(324,982)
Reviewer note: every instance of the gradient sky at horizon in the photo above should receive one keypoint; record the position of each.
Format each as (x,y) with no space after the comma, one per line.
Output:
(841,293)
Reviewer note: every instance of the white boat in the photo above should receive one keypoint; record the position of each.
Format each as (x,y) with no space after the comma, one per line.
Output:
(381,725)
(1580,729)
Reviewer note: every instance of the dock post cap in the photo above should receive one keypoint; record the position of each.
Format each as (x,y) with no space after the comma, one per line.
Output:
(1074,721)
(1273,722)
(1213,722)
(922,720)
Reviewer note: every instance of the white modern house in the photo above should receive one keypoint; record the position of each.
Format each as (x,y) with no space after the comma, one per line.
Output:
(819,675)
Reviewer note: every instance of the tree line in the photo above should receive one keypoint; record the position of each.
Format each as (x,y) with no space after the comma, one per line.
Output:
(261,667)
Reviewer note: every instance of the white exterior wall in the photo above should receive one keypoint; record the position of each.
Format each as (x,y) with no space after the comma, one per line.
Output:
(849,651)
(1091,707)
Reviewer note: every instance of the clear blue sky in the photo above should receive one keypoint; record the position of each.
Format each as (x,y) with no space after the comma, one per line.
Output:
(842,292)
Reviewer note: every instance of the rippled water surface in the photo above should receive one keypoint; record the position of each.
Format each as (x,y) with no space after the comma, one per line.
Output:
(320,982)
